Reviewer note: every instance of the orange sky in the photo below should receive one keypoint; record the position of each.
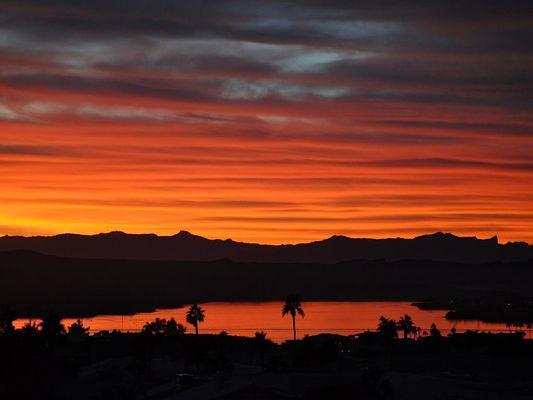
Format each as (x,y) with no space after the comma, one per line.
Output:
(361,132)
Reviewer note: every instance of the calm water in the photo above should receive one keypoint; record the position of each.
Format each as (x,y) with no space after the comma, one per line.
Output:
(247,318)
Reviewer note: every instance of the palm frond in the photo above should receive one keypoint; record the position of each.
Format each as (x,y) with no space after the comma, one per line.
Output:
(292,306)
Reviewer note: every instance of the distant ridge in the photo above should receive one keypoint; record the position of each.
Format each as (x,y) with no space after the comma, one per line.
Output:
(38,283)
(186,246)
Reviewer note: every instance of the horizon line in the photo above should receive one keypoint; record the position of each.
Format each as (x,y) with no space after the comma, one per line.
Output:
(188,233)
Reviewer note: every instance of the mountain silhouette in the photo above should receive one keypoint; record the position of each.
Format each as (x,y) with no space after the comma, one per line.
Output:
(189,247)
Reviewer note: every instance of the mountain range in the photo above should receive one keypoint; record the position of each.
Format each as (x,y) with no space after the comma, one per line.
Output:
(185,246)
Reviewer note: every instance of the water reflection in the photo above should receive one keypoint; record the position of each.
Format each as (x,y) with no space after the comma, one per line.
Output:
(246,318)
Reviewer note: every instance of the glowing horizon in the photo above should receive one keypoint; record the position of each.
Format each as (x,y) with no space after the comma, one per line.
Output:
(272,243)
(266,122)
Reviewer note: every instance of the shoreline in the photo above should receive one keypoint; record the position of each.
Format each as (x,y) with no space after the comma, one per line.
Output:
(513,314)
(494,314)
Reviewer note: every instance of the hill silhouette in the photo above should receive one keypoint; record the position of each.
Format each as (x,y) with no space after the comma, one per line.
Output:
(37,283)
(186,246)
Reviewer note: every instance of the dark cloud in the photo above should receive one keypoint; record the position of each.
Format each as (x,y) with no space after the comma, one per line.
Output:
(451,163)
(28,150)
(184,90)
(476,52)
(418,217)
(260,20)
(464,127)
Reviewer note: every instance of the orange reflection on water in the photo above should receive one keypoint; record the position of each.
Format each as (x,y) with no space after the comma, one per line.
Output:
(247,318)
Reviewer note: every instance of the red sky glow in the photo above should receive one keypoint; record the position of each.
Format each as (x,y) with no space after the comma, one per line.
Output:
(272,122)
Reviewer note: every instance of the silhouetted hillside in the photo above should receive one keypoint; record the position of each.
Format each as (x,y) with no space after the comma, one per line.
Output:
(34,282)
(186,246)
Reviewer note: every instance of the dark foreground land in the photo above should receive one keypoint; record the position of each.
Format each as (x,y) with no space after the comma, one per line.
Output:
(372,366)
(47,363)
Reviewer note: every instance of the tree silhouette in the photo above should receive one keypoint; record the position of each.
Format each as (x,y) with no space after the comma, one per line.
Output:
(30,329)
(6,321)
(156,327)
(163,327)
(387,328)
(77,329)
(260,336)
(434,332)
(518,325)
(51,325)
(195,315)
(51,328)
(292,306)
(416,331)
(173,328)
(406,325)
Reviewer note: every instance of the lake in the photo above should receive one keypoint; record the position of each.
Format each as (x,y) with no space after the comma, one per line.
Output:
(320,317)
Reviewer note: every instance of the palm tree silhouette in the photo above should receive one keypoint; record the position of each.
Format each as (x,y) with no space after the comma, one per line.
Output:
(195,315)
(51,325)
(292,306)
(52,328)
(406,325)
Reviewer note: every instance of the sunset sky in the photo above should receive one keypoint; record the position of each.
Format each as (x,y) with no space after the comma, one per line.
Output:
(267,121)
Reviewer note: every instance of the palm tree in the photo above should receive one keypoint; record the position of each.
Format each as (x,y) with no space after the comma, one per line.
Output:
(52,328)
(406,325)
(195,315)
(51,325)
(292,306)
